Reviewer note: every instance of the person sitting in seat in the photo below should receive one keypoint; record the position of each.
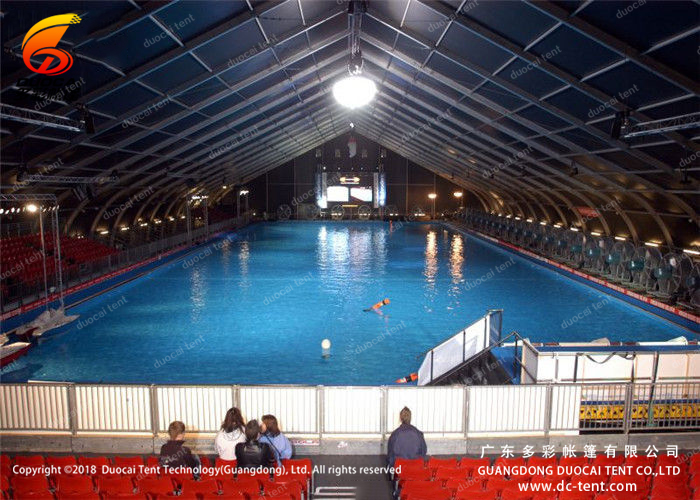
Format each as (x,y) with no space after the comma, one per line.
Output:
(253,454)
(174,454)
(406,441)
(231,433)
(272,435)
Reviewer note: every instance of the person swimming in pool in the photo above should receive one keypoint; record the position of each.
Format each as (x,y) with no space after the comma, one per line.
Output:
(376,307)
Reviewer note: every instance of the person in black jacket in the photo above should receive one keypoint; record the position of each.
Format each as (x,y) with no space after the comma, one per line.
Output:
(253,454)
(174,454)
(406,441)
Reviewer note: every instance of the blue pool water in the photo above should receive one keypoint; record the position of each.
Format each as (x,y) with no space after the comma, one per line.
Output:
(253,309)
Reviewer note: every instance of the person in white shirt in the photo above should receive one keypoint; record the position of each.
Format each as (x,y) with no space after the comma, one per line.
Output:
(232,432)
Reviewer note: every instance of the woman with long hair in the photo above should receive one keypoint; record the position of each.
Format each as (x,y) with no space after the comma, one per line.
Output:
(231,433)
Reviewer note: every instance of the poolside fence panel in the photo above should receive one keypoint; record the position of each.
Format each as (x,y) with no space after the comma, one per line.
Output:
(565,407)
(352,410)
(435,410)
(202,408)
(295,407)
(34,406)
(507,408)
(112,408)
(445,411)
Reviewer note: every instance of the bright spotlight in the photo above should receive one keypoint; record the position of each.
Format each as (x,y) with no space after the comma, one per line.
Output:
(354,91)
(32,208)
(458,194)
(432,196)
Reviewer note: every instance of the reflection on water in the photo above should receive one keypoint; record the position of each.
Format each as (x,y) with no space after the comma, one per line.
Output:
(456,258)
(198,289)
(431,258)
(243,261)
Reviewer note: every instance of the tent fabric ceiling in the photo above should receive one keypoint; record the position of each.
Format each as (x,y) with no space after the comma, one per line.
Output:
(502,97)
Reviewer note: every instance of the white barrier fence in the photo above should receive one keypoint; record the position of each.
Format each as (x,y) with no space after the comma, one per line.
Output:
(449,411)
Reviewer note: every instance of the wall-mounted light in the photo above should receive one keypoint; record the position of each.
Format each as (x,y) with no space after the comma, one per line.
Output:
(32,208)
(104,231)
(651,244)
(543,223)
(595,233)
(691,252)
(432,196)
(458,194)
(574,229)
(620,238)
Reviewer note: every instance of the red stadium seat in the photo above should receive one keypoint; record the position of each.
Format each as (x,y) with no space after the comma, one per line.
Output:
(30,461)
(422,487)
(5,486)
(72,484)
(276,490)
(224,465)
(445,473)
(496,483)
(573,461)
(78,496)
(460,485)
(471,465)
(133,496)
(515,494)
(98,463)
(62,462)
(435,462)
(435,495)
(248,486)
(603,460)
(115,486)
(575,495)
(25,486)
(471,495)
(200,487)
(542,462)
(156,486)
(134,462)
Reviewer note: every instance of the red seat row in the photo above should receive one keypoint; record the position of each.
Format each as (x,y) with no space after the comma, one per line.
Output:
(132,477)
(462,479)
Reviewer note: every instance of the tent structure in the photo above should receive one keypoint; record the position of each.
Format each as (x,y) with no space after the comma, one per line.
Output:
(577,112)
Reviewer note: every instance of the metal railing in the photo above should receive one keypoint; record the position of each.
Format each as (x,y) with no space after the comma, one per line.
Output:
(317,411)
(21,293)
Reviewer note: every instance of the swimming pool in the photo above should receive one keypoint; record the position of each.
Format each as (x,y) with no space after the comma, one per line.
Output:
(253,308)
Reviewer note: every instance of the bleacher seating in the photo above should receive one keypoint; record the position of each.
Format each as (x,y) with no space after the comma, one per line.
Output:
(20,257)
(87,478)
(458,479)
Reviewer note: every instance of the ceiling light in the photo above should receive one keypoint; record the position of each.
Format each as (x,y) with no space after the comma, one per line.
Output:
(104,231)
(458,194)
(432,196)
(32,208)
(651,244)
(620,238)
(354,91)
(691,252)
(574,229)
(595,233)
(543,223)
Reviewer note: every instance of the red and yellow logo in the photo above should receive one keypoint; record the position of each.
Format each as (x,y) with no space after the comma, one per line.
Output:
(42,40)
